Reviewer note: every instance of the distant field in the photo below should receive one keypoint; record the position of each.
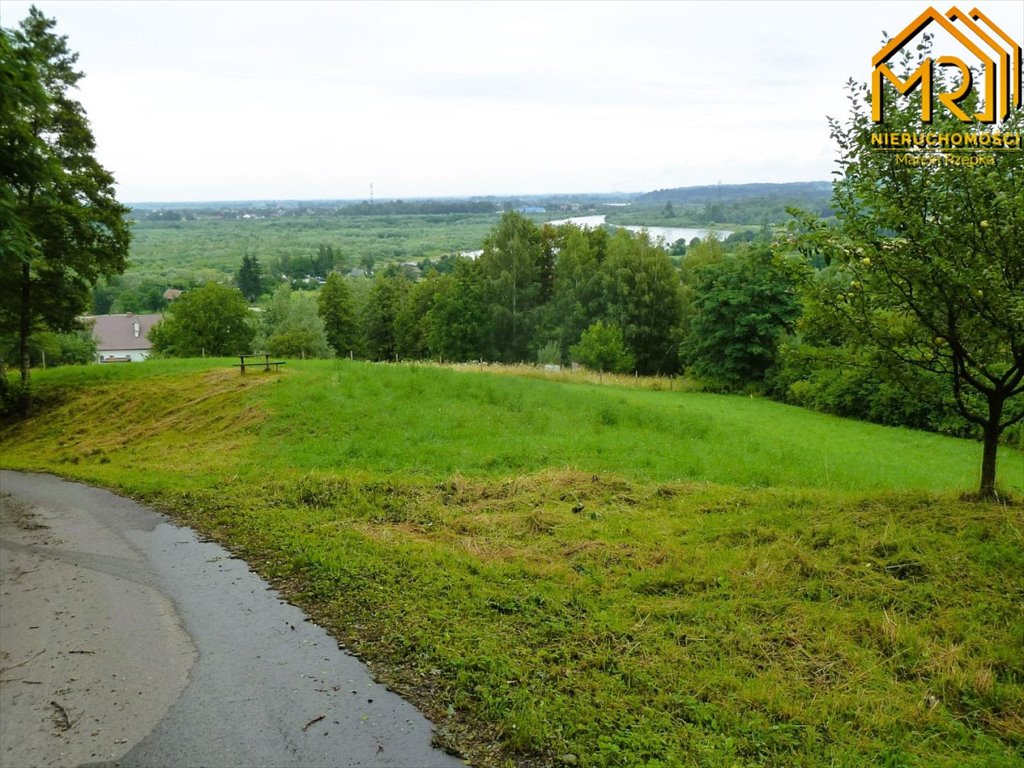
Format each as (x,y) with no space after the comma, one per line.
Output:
(572,574)
(176,251)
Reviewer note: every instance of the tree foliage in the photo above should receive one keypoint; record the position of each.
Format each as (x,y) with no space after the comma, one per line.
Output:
(61,227)
(291,326)
(643,299)
(741,308)
(250,277)
(209,321)
(513,267)
(381,313)
(457,323)
(336,307)
(926,265)
(603,348)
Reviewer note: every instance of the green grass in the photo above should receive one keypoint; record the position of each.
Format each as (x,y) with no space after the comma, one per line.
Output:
(429,421)
(573,574)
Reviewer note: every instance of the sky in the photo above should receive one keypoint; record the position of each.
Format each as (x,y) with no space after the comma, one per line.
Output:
(266,100)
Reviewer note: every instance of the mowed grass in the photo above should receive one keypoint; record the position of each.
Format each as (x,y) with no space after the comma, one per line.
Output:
(432,422)
(570,574)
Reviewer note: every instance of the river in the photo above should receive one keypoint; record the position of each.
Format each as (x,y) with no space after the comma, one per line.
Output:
(668,234)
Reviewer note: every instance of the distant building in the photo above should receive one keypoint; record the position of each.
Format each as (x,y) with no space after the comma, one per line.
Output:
(531,209)
(171,294)
(122,338)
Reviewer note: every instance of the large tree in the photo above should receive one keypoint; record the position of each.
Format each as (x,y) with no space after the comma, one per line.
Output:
(643,298)
(457,322)
(381,312)
(929,256)
(741,307)
(578,293)
(514,268)
(291,326)
(336,307)
(62,227)
(211,320)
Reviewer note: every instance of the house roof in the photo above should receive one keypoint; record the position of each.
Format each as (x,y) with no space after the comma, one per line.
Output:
(122,332)
(171,294)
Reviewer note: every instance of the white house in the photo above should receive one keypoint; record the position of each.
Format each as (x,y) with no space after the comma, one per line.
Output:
(122,338)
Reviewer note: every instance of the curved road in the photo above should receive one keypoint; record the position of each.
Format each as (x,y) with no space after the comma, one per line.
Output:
(124,640)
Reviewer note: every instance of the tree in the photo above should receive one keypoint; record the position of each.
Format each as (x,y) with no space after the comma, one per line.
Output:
(380,315)
(291,327)
(336,308)
(51,349)
(211,320)
(513,266)
(411,328)
(250,278)
(928,250)
(458,320)
(603,348)
(741,307)
(578,298)
(644,300)
(62,227)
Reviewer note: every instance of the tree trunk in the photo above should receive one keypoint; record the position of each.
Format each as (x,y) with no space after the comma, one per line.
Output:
(987,490)
(25,326)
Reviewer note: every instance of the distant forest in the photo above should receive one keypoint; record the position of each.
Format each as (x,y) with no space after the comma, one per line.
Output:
(751,204)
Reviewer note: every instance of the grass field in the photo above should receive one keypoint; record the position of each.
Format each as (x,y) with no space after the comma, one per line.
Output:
(179,251)
(568,573)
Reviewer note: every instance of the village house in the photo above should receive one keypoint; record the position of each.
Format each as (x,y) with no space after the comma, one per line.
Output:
(122,338)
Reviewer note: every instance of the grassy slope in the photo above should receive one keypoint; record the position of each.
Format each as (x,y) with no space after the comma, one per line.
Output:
(593,575)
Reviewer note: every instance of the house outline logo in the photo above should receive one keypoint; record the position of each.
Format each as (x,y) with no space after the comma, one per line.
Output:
(1002,69)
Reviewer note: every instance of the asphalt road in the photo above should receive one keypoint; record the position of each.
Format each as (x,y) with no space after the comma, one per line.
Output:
(124,640)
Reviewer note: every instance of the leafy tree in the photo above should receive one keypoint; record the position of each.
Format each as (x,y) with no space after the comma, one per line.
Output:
(50,349)
(104,294)
(250,278)
(513,266)
(411,327)
(457,321)
(380,315)
(643,296)
(336,308)
(291,326)
(211,320)
(139,296)
(741,308)
(603,348)
(578,299)
(62,227)
(929,255)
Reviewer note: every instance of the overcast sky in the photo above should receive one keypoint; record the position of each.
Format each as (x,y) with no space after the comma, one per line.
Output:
(310,100)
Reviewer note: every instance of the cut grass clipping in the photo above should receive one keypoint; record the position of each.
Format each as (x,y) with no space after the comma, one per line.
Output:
(571,574)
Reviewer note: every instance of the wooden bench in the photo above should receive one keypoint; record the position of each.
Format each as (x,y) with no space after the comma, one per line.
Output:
(253,361)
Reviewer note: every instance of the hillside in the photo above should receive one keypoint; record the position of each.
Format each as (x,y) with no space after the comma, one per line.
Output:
(563,573)
(817,191)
